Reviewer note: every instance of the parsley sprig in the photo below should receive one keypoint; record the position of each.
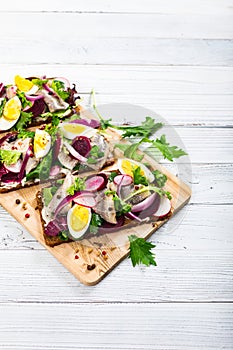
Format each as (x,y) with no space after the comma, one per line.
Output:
(140,251)
(78,185)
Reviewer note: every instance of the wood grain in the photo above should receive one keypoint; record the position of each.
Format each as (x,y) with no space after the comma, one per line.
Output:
(117,326)
(90,250)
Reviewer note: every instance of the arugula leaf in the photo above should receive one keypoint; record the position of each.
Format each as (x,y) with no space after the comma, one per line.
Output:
(43,168)
(94,155)
(96,222)
(169,152)
(140,251)
(112,176)
(23,134)
(160,178)
(40,82)
(23,99)
(9,157)
(148,127)
(59,87)
(2,105)
(78,185)
(138,178)
(23,121)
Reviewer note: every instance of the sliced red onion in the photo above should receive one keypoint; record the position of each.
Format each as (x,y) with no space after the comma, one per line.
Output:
(131,216)
(34,97)
(74,153)
(14,168)
(55,170)
(47,88)
(93,123)
(24,163)
(150,211)
(86,200)
(123,180)
(164,207)
(28,107)
(57,147)
(52,229)
(145,204)
(82,145)
(2,88)
(69,199)
(106,227)
(95,183)
(7,136)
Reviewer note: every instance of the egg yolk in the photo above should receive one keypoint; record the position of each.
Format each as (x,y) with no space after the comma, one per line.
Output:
(79,218)
(12,109)
(128,168)
(40,142)
(23,84)
(74,128)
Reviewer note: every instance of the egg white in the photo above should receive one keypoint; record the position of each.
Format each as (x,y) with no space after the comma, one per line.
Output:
(148,174)
(76,235)
(6,124)
(86,131)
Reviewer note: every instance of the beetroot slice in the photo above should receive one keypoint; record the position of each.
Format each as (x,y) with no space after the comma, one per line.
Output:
(82,145)
(96,182)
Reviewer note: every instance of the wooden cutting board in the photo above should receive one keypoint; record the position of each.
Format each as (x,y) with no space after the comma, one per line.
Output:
(77,257)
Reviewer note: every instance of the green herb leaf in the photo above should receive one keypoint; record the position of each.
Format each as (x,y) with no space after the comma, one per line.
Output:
(23,99)
(23,121)
(78,185)
(138,178)
(23,134)
(147,128)
(96,222)
(43,168)
(9,157)
(59,87)
(169,152)
(112,176)
(2,105)
(52,128)
(40,82)
(140,251)
(121,206)
(63,235)
(48,193)
(94,155)
(160,178)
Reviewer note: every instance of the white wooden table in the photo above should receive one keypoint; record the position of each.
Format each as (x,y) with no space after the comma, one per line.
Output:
(176,58)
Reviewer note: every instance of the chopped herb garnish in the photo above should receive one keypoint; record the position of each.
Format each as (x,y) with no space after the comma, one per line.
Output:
(59,87)
(63,235)
(23,99)
(160,178)
(138,177)
(23,134)
(94,155)
(40,82)
(24,120)
(78,185)
(121,206)
(140,251)
(96,222)
(112,176)
(2,105)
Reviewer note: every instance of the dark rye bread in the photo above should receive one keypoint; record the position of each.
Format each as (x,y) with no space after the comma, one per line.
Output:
(49,240)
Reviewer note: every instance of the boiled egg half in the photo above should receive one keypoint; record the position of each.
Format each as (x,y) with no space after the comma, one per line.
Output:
(42,143)
(126,166)
(78,220)
(71,130)
(11,113)
(25,85)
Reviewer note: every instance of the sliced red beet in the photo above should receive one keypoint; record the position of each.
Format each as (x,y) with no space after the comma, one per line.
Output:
(106,227)
(82,145)
(37,108)
(96,183)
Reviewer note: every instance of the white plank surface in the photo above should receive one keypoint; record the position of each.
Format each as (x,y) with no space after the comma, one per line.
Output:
(129,326)
(171,57)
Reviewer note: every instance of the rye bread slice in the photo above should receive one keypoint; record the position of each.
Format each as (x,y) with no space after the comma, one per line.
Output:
(49,240)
